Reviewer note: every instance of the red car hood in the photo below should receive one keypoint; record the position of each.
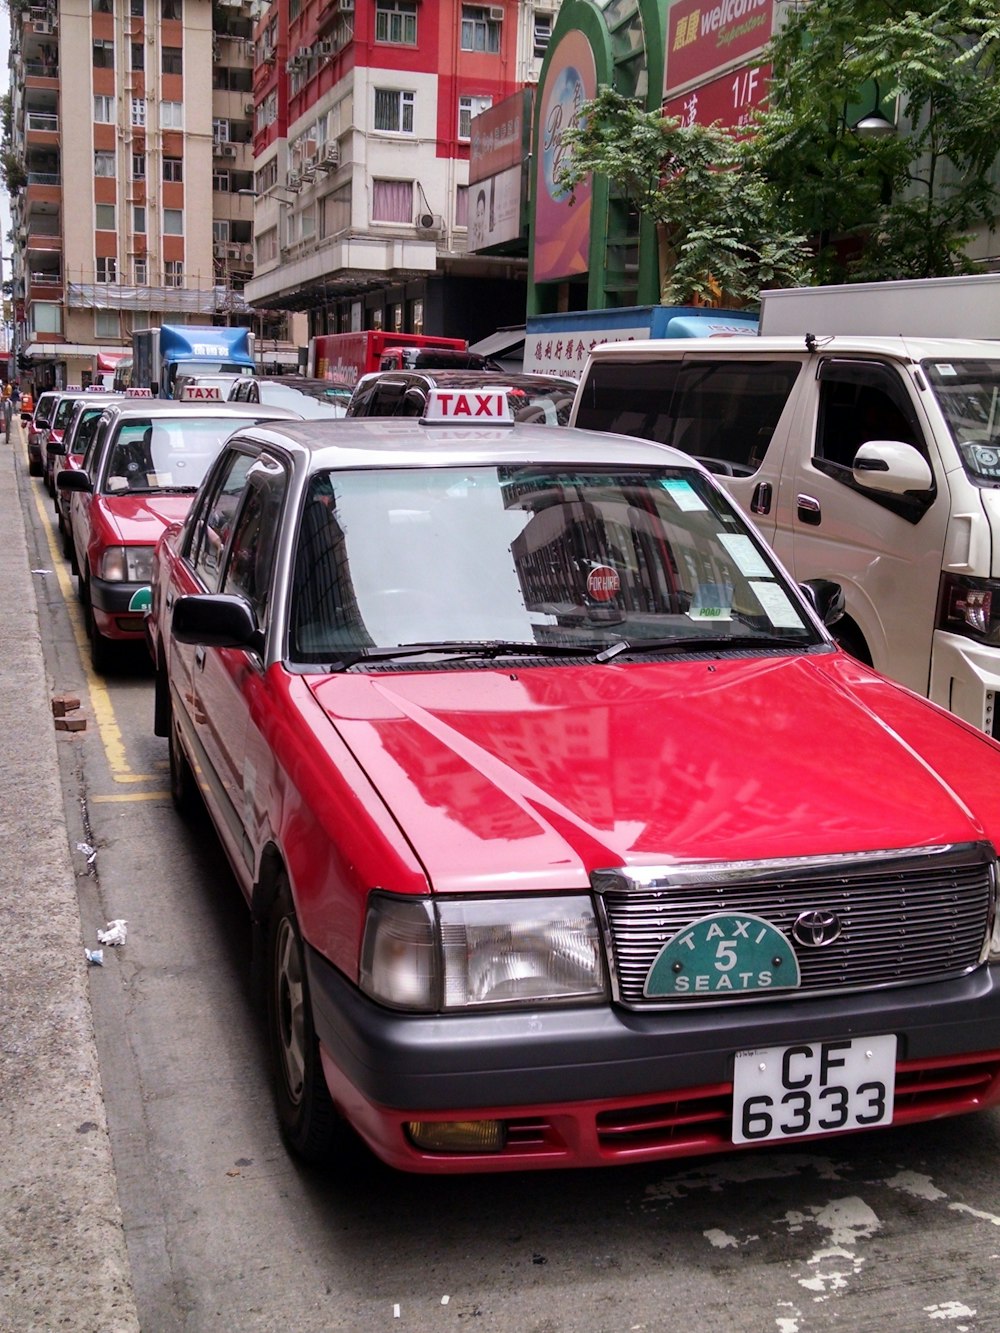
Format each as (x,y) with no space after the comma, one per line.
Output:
(138,520)
(537,778)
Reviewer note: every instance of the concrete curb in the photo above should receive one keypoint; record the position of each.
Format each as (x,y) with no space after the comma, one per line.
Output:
(63,1259)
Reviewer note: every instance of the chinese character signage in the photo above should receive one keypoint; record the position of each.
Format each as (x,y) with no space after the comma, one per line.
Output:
(499,136)
(704,36)
(562,228)
(729,100)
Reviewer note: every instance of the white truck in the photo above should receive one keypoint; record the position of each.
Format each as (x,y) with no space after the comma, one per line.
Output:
(870,460)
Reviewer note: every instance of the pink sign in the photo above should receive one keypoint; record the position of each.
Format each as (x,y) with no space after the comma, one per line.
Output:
(562,228)
(730,99)
(705,35)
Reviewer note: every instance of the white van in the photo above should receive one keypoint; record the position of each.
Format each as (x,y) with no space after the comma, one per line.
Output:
(871,461)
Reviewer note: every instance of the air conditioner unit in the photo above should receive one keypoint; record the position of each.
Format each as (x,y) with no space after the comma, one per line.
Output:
(326,47)
(330,158)
(347,6)
(269,57)
(248,255)
(308,169)
(248,108)
(219,250)
(497,13)
(293,65)
(430,223)
(233,251)
(294,181)
(227,149)
(303,54)
(45,28)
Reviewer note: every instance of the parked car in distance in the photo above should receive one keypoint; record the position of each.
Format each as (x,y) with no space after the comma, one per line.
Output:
(140,471)
(40,418)
(50,443)
(311,398)
(569,835)
(543,399)
(87,412)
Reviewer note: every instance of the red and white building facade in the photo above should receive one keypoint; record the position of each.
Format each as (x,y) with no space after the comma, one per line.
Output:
(362,130)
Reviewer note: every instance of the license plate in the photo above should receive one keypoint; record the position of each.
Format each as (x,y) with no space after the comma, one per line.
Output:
(819,1087)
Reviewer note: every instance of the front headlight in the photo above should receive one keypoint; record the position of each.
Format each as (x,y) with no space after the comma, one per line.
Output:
(466,953)
(127,564)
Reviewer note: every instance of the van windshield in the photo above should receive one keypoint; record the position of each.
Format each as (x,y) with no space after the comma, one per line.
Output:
(968,392)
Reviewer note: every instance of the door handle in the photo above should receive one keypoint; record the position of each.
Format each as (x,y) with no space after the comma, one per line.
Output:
(761,500)
(809,510)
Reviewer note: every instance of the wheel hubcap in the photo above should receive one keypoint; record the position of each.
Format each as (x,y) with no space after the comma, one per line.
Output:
(290,1009)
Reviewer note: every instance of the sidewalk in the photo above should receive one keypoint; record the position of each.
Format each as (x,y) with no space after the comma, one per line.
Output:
(63,1261)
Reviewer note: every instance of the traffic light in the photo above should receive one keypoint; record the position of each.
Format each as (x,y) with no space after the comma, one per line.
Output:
(23,362)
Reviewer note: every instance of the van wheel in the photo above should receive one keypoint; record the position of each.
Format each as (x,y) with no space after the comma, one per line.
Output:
(308,1119)
(850,638)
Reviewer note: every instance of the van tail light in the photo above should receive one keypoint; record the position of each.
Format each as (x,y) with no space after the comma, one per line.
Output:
(970,607)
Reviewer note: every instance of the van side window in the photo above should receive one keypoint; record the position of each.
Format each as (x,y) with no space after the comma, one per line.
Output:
(861,401)
(724,413)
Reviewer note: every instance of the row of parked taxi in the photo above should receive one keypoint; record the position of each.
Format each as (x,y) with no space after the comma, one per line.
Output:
(569,835)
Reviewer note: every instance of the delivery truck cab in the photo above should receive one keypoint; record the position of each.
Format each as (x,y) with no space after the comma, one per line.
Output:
(871,461)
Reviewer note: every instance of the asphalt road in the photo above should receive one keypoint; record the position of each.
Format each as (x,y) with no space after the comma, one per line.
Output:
(897,1230)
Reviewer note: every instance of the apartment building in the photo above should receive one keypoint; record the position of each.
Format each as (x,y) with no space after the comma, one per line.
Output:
(363,123)
(130,140)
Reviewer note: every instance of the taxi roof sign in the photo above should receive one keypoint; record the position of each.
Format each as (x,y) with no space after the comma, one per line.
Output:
(201,393)
(487,406)
(137,392)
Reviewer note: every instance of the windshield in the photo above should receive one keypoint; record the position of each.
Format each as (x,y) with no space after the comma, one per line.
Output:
(165,455)
(532,555)
(968,392)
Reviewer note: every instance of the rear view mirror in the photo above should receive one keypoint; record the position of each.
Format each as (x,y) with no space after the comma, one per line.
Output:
(892,467)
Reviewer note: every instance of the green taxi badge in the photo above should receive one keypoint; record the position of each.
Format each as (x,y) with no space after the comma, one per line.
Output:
(141,599)
(727,953)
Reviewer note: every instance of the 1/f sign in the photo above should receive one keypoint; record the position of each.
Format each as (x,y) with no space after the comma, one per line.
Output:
(747,88)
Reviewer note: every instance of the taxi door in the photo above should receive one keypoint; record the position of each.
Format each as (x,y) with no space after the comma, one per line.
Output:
(229,684)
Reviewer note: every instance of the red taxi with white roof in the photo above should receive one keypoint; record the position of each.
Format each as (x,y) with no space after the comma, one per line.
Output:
(569,835)
(142,466)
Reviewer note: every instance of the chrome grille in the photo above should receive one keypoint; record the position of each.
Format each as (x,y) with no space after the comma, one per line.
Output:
(914,915)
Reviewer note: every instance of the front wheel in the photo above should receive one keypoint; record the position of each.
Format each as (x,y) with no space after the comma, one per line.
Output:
(102,651)
(308,1120)
(183,787)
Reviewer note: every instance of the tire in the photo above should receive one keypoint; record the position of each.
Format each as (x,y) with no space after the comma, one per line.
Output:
(183,787)
(102,651)
(34,468)
(850,638)
(309,1122)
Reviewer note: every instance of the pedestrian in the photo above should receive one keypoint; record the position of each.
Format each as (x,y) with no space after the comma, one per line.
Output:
(8,411)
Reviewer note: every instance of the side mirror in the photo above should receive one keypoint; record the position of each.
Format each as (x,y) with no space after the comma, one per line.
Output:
(892,467)
(72,479)
(826,599)
(216,620)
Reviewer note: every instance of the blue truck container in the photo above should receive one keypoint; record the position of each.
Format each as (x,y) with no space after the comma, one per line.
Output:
(161,355)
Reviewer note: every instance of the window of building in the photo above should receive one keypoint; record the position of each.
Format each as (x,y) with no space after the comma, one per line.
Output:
(102,6)
(335,211)
(138,55)
(462,206)
(392,201)
(106,324)
(104,110)
(104,217)
(417,316)
(267,245)
(170,9)
(104,54)
(396,21)
(221,131)
(137,8)
(267,178)
(220,230)
(172,115)
(173,222)
(173,169)
(138,166)
(220,182)
(394,111)
(480,32)
(294,8)
(138,112)
(104,162)
(46,317)
(467,108)
(140,270)
(139,219)
(172,60)
(106,268)
(543,33)
(173,272)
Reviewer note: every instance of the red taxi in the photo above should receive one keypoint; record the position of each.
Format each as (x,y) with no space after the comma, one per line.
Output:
(68,454)
(141,469)
(569,835)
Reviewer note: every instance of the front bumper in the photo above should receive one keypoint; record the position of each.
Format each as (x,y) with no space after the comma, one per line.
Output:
(965,679)
(602,1086)
(114,611)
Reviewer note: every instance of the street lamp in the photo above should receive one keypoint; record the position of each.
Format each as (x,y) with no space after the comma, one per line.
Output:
(875,125)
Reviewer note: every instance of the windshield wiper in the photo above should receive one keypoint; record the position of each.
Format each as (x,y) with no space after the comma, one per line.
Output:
(695,644)
(488,648)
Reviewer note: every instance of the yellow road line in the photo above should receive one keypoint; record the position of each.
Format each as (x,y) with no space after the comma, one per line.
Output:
(100,699)
(129,796)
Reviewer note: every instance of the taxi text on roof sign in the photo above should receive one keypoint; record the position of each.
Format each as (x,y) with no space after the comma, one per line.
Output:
(201,393)
(469,406)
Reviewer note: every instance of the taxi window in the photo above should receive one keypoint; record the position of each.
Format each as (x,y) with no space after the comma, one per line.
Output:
(216,519)
(85,428)
(255,537)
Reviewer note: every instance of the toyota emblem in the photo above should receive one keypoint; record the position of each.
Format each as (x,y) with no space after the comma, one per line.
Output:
(814,930)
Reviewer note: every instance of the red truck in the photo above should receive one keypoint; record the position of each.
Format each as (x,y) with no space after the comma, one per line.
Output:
(345,357)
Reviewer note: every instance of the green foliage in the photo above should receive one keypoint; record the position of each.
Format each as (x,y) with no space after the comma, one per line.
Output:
(904,204)
(721,239)
(12,171)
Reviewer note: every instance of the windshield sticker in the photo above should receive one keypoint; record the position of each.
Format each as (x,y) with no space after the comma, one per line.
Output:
(749,560)
(945,369)
(603,583)
(712,601)
(684,495)
(775,602)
